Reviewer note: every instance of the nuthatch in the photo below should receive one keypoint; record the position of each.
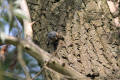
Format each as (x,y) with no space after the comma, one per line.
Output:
(54,37)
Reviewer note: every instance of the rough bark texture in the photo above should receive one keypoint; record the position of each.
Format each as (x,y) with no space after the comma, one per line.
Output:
(91,44)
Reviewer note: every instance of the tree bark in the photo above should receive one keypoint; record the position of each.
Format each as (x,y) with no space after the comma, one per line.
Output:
(91,45)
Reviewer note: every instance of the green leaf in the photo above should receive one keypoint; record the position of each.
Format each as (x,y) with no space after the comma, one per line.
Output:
(17,3)
(2,24)
(2,36)
(10,16)
(19,13)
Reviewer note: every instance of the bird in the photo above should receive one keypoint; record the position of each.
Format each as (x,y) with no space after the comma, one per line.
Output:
(53,38)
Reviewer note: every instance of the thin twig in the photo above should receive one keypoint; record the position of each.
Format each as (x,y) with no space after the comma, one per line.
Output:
(44,66)
(32,3)
(22,63)
(38,74)
(14,76)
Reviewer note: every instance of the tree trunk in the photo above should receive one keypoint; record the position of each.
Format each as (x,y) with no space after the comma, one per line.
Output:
(91,45)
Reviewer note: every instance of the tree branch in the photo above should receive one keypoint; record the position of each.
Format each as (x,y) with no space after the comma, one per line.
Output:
(114,9)
(42,56)
(28,32)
